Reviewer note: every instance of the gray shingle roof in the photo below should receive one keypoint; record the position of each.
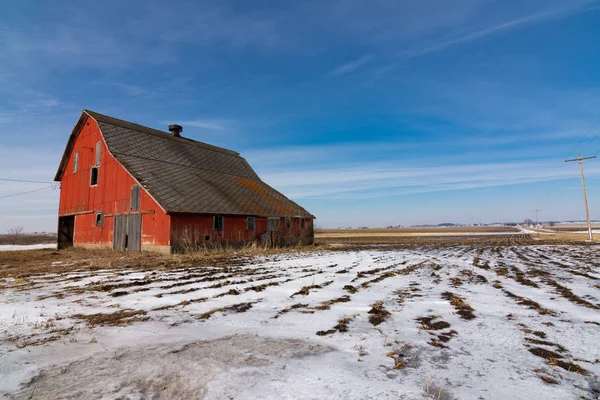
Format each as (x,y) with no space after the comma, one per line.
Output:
(185,176)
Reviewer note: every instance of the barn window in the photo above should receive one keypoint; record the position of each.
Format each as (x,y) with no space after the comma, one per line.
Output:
(94,176)
(302,223)
(99,219)
(75,161)
(135,198)
(273,224)
(98,153)
(250,223)
(288,223)
(218,222)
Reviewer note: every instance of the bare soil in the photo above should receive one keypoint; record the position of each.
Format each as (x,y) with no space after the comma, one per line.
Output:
(27,239)
(400,231)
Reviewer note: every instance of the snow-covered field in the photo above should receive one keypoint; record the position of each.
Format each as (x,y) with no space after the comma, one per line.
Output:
(437,321)
(16,247)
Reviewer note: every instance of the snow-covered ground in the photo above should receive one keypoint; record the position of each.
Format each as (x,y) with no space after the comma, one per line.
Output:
(426,321)
(15,247)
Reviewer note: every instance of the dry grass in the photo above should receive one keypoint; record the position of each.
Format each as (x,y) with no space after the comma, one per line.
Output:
(326,305)
(378,313)
(460,305)
(398,355)
(342,325)
(21,264)
(119,318)
(390,232)
(572,228)
(548,379)
(568,237)
(305,291)
(237,308)
(428,324)
(569,295)
(555,359)
(350,289)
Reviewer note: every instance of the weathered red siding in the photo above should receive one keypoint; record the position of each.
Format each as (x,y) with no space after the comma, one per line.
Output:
(111,196)
(194,229)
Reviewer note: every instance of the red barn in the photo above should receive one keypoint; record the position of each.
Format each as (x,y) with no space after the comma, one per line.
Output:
(128,187)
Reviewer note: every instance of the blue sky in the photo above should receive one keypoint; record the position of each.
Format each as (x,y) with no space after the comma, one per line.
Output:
(368,113)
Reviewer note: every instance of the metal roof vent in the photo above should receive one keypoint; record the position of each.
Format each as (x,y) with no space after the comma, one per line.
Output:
(176,130)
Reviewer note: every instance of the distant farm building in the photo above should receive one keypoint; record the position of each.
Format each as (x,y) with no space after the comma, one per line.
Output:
(128,187)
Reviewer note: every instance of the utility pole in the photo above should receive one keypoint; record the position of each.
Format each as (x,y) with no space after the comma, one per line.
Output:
(537,220)
(587,209)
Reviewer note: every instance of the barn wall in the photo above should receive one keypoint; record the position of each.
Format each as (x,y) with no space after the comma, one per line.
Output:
(195,229)
(111,196)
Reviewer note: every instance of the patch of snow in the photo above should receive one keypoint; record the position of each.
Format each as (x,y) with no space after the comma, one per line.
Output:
(18,247)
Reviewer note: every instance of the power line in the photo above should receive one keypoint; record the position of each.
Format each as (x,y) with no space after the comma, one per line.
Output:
(584,136)
(22,180)
(30,191)
(561,174)
(591,140)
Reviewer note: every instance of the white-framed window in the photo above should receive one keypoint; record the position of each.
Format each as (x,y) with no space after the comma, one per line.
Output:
(94,176)
(288,223)
(99,219)
(218,222)
(75,162)
(98,153)
(251,223)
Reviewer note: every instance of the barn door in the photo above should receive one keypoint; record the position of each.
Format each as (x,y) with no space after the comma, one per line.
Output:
(66,227)
(127,234)
(120,233)
(134,232)
(273,230)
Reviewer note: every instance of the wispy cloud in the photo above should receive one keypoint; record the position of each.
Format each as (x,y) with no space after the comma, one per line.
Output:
(379,181)
(351,66)
(532,19)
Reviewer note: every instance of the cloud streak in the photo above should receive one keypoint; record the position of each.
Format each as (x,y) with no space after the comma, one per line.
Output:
(536,18)
(380,181)
(351,66)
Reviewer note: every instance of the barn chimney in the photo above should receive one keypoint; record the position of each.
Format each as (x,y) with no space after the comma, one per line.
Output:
(176,130)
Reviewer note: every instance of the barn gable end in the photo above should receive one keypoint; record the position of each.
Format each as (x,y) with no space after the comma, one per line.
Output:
(91,208)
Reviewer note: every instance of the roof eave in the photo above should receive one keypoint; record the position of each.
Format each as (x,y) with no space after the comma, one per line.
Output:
(69,146)
(178,212)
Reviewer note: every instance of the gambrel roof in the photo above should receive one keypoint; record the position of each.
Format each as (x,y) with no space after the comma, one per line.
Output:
(186,176)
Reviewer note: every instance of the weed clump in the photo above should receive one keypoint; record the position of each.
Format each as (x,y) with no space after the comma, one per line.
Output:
(342,326)
(326,305)
(428,324)
(237,308)
(260,288)
(555,359)
(378,313)
(548,379)
(119,318)
(350,289)
(569,295)
(232,292)
(398,355)
(460,305)
(306,289)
